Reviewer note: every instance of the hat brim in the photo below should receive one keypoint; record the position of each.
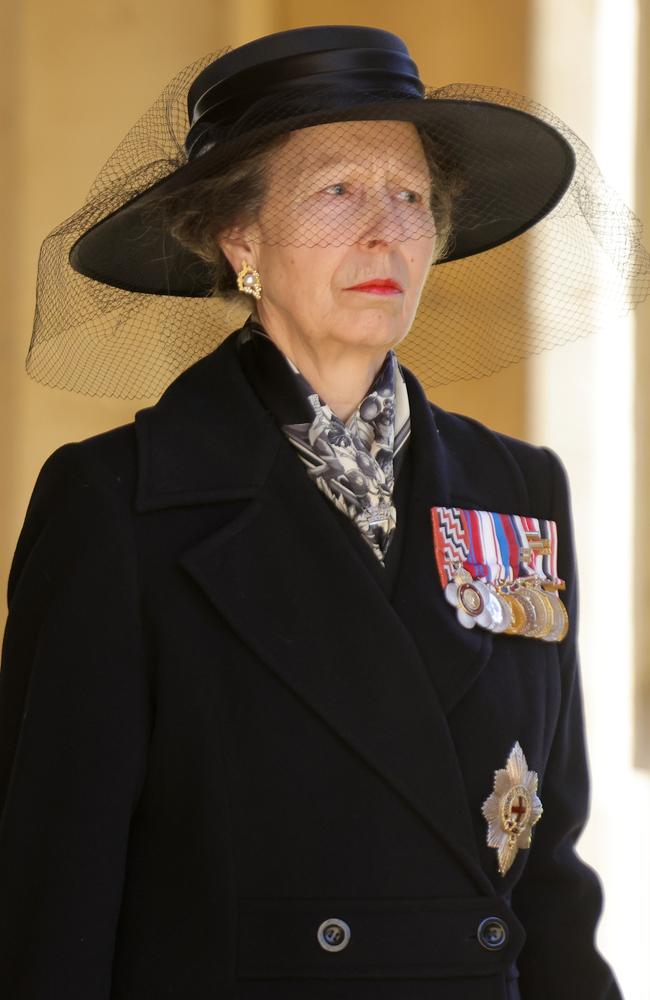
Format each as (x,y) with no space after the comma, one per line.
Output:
(127,250)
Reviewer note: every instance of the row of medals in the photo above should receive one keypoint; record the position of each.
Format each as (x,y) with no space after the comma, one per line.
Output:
(528,606)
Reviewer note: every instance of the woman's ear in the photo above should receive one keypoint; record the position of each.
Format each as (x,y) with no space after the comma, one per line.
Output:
(238,246)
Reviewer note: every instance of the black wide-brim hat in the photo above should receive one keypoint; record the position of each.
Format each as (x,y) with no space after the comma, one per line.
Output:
(534,238)
(316,75)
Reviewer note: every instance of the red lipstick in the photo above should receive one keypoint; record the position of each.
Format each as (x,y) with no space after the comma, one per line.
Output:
(377,286)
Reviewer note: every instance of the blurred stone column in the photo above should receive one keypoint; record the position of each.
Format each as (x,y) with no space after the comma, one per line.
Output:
(642,420)
(582,405)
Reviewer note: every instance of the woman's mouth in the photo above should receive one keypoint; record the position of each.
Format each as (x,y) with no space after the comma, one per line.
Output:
(377,286)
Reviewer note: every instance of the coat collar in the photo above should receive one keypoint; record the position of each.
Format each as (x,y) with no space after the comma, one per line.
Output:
(209,439)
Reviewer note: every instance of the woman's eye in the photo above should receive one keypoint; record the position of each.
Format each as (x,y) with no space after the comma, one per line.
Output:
(340,188)
(413,195)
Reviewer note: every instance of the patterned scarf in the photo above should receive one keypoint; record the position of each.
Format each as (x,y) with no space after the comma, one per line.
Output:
(353,463)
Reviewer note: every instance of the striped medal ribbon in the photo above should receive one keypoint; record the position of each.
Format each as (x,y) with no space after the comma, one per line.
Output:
(499,571)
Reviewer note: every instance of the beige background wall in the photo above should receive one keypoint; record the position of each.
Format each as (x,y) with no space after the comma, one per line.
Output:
(76,73)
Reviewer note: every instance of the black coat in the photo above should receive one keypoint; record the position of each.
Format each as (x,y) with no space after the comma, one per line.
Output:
(220,726)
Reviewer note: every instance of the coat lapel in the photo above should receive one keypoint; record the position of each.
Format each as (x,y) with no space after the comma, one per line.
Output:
(285,577)
(453,654)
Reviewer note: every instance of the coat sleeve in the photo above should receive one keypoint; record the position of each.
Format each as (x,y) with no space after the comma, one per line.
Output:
(559,897)
(74,729)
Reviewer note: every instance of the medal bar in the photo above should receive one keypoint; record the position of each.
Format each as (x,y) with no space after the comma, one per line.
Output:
(499,571)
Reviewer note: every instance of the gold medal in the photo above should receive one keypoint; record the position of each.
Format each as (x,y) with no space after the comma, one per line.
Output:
(530,612)
(518,615)
(544,613)
(560,618)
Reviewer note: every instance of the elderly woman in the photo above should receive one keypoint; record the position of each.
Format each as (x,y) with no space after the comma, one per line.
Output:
(290,699)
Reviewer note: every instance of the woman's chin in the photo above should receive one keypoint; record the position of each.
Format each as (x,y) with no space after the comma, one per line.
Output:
(372,330)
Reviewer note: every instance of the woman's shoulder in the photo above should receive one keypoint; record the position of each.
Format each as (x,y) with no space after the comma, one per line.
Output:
(81,497)
(103,463)
(536,471)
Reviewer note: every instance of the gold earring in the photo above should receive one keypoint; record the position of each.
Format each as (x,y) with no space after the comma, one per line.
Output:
(249,281)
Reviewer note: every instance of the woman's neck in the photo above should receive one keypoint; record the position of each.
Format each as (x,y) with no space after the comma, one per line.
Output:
(340,373)
(341,386)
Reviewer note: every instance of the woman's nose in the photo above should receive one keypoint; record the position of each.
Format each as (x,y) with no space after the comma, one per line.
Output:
(382,222)
(386,219)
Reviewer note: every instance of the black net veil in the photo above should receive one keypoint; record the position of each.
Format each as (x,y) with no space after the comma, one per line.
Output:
(562,276)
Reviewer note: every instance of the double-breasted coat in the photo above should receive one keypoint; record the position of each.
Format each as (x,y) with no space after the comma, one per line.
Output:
(222,727)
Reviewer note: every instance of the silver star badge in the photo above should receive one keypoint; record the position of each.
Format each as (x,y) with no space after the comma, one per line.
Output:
(512,809)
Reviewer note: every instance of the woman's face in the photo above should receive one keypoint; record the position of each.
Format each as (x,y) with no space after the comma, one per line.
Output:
(346,202)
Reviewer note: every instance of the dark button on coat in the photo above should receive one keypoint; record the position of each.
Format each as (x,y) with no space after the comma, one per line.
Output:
(219,732)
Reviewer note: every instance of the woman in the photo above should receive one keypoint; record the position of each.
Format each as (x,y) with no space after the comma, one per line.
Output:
(272,722)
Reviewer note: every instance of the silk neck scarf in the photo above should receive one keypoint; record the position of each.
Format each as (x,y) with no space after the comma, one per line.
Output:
(354,463)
